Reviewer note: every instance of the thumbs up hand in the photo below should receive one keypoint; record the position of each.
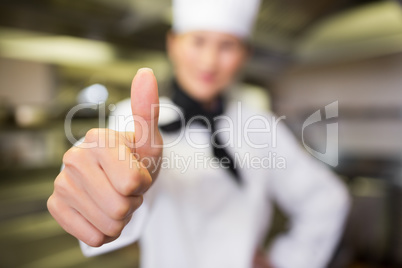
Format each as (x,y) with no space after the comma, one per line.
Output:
(145,108)
(99,189)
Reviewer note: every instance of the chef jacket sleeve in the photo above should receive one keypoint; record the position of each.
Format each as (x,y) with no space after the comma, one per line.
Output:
(121,120)
(316,202)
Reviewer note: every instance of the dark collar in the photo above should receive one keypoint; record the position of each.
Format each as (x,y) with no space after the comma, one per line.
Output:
(191,107)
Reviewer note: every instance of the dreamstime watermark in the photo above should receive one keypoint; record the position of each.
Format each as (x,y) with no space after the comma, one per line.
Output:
(254,132)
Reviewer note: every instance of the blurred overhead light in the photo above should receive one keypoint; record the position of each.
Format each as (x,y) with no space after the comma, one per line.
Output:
(371,30)
(81,58)
(96,93)
(53,49)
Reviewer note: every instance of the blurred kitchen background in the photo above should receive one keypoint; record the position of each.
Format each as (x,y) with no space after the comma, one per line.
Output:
(307,54)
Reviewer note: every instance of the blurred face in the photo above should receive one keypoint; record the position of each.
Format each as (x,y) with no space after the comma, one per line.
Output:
(205,62)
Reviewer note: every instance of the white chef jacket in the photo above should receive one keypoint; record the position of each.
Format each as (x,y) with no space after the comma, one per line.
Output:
(196,215)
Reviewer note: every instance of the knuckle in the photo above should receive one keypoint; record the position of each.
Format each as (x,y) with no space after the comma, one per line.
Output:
(142,181)
(92,134)
(57,210)
(52,205)
(65,188)
(131,184)
(122,210)
(137,202)
(60,184)
(96,240)
(64,185)
(126,138)
(146,181)
(114,228)
(71,156)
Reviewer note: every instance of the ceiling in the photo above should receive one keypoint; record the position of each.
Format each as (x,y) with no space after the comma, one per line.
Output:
(286,30)
(144,24)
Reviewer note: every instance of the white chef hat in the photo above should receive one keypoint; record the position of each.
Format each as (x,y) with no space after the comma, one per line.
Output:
(229,16)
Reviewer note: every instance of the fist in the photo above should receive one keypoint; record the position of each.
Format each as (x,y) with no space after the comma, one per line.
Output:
(102,185)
